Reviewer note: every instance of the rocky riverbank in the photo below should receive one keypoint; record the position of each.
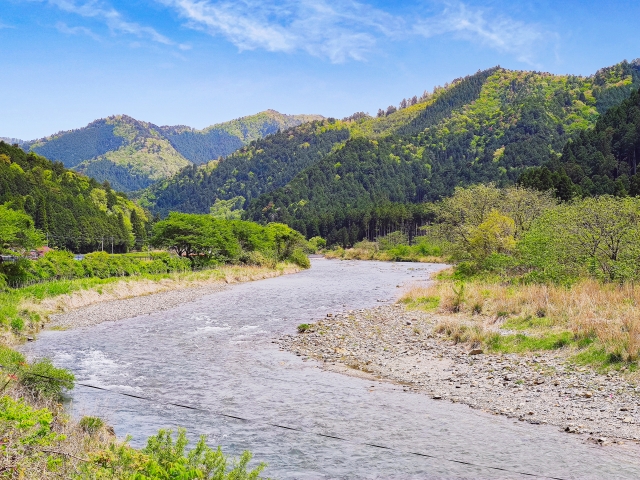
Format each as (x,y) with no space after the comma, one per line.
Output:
(397,345)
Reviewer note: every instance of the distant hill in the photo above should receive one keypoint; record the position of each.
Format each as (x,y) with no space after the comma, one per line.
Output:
(330,175)
(12,141)
(132,154)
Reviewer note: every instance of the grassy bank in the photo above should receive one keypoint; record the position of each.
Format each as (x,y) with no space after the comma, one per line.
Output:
(391,248)
(591,322)
(41,441)
(25,311)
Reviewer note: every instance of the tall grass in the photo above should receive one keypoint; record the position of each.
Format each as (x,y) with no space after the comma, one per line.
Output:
(590,311)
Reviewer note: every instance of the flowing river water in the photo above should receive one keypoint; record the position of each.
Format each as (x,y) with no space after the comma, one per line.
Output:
(217,354)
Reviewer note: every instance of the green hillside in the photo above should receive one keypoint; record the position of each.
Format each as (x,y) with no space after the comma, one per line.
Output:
(73,211)
(201,146)
(461,135)
(131,154)
(260,167)
(599,161)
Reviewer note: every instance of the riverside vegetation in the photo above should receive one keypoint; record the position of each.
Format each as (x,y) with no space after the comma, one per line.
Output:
(39,440)
(538,320)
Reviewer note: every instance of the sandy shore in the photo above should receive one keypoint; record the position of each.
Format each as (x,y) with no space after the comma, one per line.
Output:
(134,298)
(390,343)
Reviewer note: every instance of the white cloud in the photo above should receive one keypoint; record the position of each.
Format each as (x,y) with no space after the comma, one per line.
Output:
(114,20)
(339,30)
(495,31)
(64,28)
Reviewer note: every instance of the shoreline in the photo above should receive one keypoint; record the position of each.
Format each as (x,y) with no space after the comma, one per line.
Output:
(132,298)
(393,344)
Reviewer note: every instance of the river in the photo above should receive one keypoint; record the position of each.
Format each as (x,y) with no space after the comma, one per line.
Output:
(217,354)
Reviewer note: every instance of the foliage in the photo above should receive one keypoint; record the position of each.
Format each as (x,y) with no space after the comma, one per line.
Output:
(600,161)
(483,220)
(316,244)
(45,380)
(40,377)
(72,211)
(91,425)
(166,458)
(17,231)
(55,265)
(204,239)
(228,209)
(595,236)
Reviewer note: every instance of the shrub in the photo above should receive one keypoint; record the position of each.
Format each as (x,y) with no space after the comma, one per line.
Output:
(165,458)
(17,324)
(45,380)
(300,258)
(303,327)
(91,424)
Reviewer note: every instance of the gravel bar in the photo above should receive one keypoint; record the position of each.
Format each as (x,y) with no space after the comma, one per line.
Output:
(130,307)
(393,344)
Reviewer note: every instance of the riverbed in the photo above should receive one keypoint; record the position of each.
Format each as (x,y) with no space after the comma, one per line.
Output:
(219,354)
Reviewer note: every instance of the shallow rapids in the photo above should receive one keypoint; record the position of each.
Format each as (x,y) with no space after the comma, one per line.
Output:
(217,354)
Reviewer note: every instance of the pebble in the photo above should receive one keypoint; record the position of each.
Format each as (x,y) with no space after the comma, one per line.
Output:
(539,388)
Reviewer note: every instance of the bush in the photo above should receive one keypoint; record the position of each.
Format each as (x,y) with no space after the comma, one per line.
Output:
(91,424)
(165,458)
(300,258)
(45,380)
(303,327)
(315,244)
(17,324)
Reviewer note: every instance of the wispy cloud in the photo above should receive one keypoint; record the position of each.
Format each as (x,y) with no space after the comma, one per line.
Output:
(342,30)
(495,31)
(64,28)
(339,30)
(112,18)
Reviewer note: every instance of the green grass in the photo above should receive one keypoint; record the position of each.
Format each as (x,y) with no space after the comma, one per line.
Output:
(528,322)
(423,303)
(521,343)
(597,356)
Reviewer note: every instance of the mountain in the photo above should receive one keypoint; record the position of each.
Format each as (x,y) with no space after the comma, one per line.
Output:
(600,161)
(75,212)
(260,167)
(489,127)
(12,141)
(333,176)
(132,154)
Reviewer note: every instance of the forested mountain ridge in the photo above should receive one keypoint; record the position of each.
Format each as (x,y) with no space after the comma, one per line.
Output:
(271,162)
(517,120)
(261,166)
(600,161)
(132,154)
(220,140)
(73,211)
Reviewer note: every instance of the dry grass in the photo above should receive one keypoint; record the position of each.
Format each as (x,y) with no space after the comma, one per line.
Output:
(589,309)
(370,254)
(132,287)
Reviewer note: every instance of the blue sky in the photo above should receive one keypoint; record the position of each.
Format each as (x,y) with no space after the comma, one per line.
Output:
(64,63)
